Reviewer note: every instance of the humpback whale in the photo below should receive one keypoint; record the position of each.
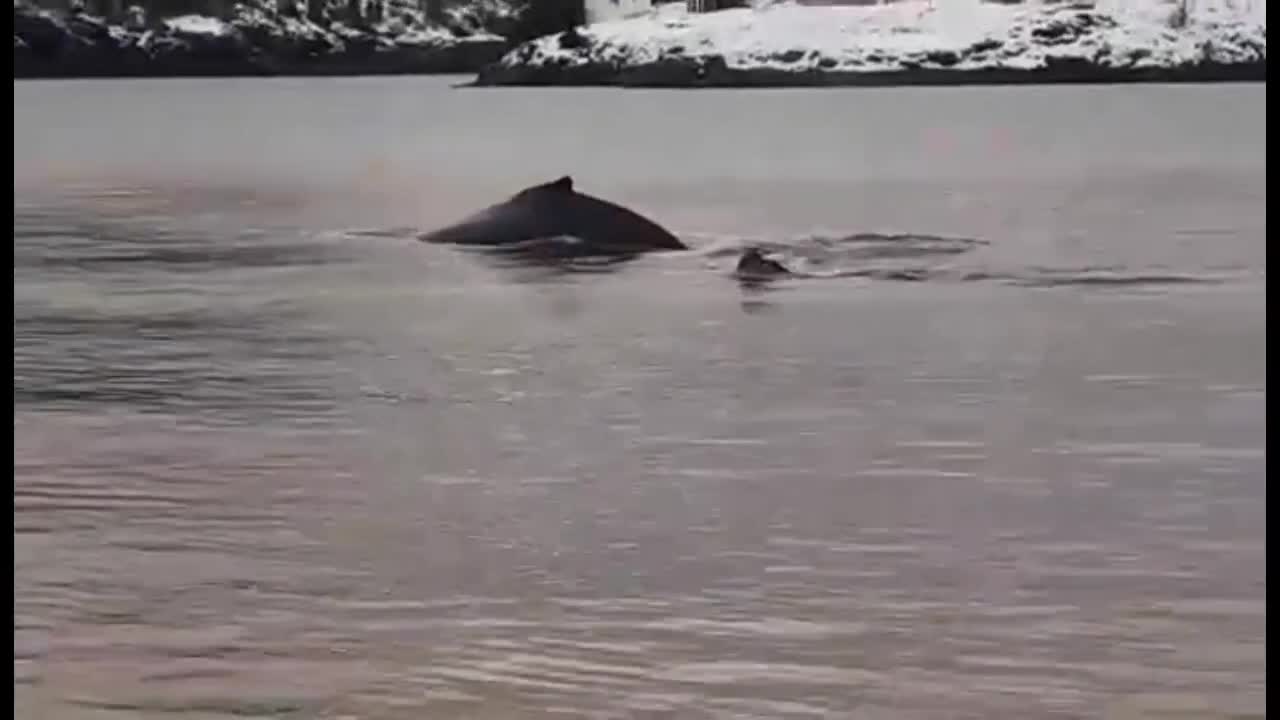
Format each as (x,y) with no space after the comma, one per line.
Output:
(557,210)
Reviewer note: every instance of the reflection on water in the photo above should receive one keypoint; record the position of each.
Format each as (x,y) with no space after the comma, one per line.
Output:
(265,466)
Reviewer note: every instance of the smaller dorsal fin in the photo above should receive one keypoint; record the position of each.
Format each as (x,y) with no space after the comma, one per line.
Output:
(564,184)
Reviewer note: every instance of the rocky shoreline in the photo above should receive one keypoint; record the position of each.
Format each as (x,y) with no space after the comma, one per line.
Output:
(792,47)
(713,72)
(775,46)
(253,43)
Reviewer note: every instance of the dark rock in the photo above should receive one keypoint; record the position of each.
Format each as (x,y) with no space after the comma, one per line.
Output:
(1065,27)
(1054,33)
(985,46)
(45,35)
(671,71)
(572,39)
(945,58)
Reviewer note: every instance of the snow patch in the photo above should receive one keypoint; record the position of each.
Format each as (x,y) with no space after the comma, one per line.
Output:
(605,10)
(197,25)
(950,34)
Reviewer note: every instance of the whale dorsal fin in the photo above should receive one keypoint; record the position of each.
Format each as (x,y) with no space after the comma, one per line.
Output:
(563,184)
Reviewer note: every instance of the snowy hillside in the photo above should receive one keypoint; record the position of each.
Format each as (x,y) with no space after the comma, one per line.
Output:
(256,39)
(914,40)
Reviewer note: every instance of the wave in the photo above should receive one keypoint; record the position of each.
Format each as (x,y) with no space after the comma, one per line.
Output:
(885,257)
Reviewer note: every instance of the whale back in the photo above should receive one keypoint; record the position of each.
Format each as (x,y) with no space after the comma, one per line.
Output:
(557,209)
(597,221)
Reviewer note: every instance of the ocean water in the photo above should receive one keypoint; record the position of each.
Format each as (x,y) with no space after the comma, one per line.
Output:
(1000,452)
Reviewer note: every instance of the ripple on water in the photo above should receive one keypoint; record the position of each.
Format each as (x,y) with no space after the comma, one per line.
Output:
(268,467)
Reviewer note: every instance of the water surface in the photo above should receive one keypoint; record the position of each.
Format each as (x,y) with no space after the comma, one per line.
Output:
(1003,456)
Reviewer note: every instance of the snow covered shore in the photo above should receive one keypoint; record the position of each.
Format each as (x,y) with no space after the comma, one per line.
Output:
(255,40)
(909,42)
